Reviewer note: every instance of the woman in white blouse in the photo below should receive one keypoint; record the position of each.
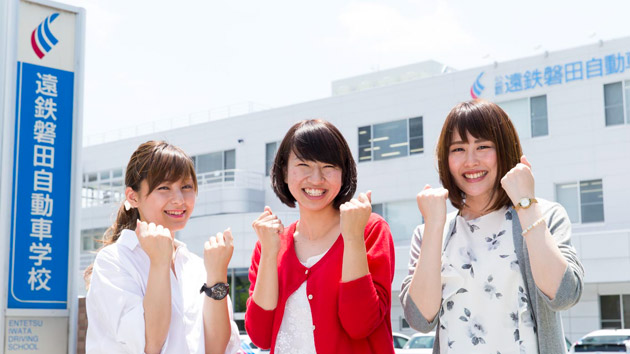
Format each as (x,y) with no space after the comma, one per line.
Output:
(492,276)
(143,294)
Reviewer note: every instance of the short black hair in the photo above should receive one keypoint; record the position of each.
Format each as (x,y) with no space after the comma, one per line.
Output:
(315,140)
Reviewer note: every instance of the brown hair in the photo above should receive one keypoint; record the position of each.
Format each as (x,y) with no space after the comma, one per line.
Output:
(156,162)
(485,120)
(315,140)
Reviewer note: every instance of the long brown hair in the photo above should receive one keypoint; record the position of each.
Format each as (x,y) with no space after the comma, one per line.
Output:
(156,162)
(485,120)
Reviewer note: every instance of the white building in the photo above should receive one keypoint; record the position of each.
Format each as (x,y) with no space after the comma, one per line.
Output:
(572,110)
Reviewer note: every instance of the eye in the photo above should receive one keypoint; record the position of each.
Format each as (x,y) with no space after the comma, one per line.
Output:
(187,186)
(457,149)
(163,188)
(482,147)
(330,166)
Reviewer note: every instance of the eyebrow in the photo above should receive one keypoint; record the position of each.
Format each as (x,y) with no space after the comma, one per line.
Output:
(458,142)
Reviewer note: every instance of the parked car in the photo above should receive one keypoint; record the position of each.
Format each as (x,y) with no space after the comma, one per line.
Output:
(419,343)
(252,347)
(399,340)
(604,340)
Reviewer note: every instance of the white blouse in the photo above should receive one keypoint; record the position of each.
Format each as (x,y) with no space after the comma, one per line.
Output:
(485,306)
(295,335)
(114,301)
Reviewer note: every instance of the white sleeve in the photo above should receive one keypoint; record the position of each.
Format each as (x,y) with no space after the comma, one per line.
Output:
(235,341)
(114,308)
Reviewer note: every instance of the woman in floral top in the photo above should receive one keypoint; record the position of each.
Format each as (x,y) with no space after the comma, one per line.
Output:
(491,276)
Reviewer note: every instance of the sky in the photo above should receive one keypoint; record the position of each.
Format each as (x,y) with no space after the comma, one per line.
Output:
(158,60)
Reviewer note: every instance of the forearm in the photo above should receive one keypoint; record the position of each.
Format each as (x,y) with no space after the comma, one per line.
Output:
(547,263)
(266,288)
(355,264)
(426,284)
(216,323)
(157,308)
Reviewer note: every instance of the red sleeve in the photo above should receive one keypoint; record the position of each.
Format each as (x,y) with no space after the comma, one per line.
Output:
(365,302)
(258,321)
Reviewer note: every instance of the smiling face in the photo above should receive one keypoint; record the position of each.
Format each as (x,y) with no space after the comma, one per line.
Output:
(313,184)
(473,165)
(170,204)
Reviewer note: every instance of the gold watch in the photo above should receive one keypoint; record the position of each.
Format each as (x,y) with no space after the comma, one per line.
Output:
(524,203)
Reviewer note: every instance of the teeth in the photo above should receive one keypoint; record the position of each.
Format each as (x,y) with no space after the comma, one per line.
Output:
(314,192)
(475,175)
(175,212)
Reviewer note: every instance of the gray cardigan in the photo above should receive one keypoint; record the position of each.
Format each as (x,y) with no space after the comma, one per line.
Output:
(546,311)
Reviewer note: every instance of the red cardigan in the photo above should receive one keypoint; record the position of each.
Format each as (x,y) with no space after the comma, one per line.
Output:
(352,317)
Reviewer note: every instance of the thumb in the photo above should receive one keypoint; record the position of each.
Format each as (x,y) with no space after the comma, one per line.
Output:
(525,161)
(267,208)
(368,194)
(426,186)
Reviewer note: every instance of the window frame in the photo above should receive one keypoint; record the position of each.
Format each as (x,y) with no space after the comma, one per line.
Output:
(625,109)
(370,127)
(529,115)
(579,199)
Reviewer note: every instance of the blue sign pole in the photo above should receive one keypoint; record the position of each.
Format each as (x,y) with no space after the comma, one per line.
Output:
(38,263)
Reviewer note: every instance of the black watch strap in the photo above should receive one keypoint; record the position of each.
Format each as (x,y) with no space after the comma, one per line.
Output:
(217,292)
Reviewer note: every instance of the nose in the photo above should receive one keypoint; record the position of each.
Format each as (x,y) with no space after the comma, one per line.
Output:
(316,175)
(471,158)
(177,196)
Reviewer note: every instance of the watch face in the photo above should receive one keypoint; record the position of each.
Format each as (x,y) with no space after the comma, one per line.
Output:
(524,202)
(219,291)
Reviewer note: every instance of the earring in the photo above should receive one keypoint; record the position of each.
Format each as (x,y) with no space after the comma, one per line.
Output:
(127,205)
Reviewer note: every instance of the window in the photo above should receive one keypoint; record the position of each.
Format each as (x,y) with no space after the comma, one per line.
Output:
(102,187)
(270,156)
(90,239)
(402,217)
(583,200)
(392,139)
(529,116)
(215,167)
(614,311)
(239,288)
(616,103)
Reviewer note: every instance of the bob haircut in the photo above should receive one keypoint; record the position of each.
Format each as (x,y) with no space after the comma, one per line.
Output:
(483,120)
(314,140)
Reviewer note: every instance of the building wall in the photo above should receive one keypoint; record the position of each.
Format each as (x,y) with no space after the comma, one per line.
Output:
(578,147)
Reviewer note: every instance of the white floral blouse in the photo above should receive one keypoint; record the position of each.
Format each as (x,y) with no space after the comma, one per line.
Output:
(485,307)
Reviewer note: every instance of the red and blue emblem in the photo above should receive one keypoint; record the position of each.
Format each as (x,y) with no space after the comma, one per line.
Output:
(477,88)
(42,39)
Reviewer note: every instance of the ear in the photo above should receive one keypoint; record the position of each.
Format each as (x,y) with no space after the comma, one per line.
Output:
(131,196)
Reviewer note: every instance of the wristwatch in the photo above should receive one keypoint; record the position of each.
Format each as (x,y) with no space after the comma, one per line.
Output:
(525,203)
(218,291)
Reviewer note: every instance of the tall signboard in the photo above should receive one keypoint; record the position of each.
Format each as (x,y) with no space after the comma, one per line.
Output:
(40,295)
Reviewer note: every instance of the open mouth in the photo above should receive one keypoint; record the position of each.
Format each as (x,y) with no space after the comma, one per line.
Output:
(175,213)
(475,175)
(314,192)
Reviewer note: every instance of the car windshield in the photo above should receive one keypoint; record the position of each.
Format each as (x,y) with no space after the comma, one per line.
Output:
(420,342)
(604,339)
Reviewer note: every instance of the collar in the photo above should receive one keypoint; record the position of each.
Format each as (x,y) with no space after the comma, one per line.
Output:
(129,239)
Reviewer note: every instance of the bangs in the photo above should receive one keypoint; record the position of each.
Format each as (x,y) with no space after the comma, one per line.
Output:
(475,122)
(313,142)
(169,164)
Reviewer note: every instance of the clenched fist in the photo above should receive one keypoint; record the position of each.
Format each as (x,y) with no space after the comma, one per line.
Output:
(217,252)
(354,216)
(518,183)
(268,227)
(432,204)
(156,241)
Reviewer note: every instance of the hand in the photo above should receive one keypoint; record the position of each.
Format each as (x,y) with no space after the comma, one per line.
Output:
(432,204)
(267,227)
(156,241)
(518,183)
(217,252)
(354,216)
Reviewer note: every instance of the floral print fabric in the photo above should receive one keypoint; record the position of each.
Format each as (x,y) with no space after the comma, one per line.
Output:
(485,307)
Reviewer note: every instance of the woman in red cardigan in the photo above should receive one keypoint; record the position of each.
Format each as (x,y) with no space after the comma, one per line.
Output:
(322,284)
